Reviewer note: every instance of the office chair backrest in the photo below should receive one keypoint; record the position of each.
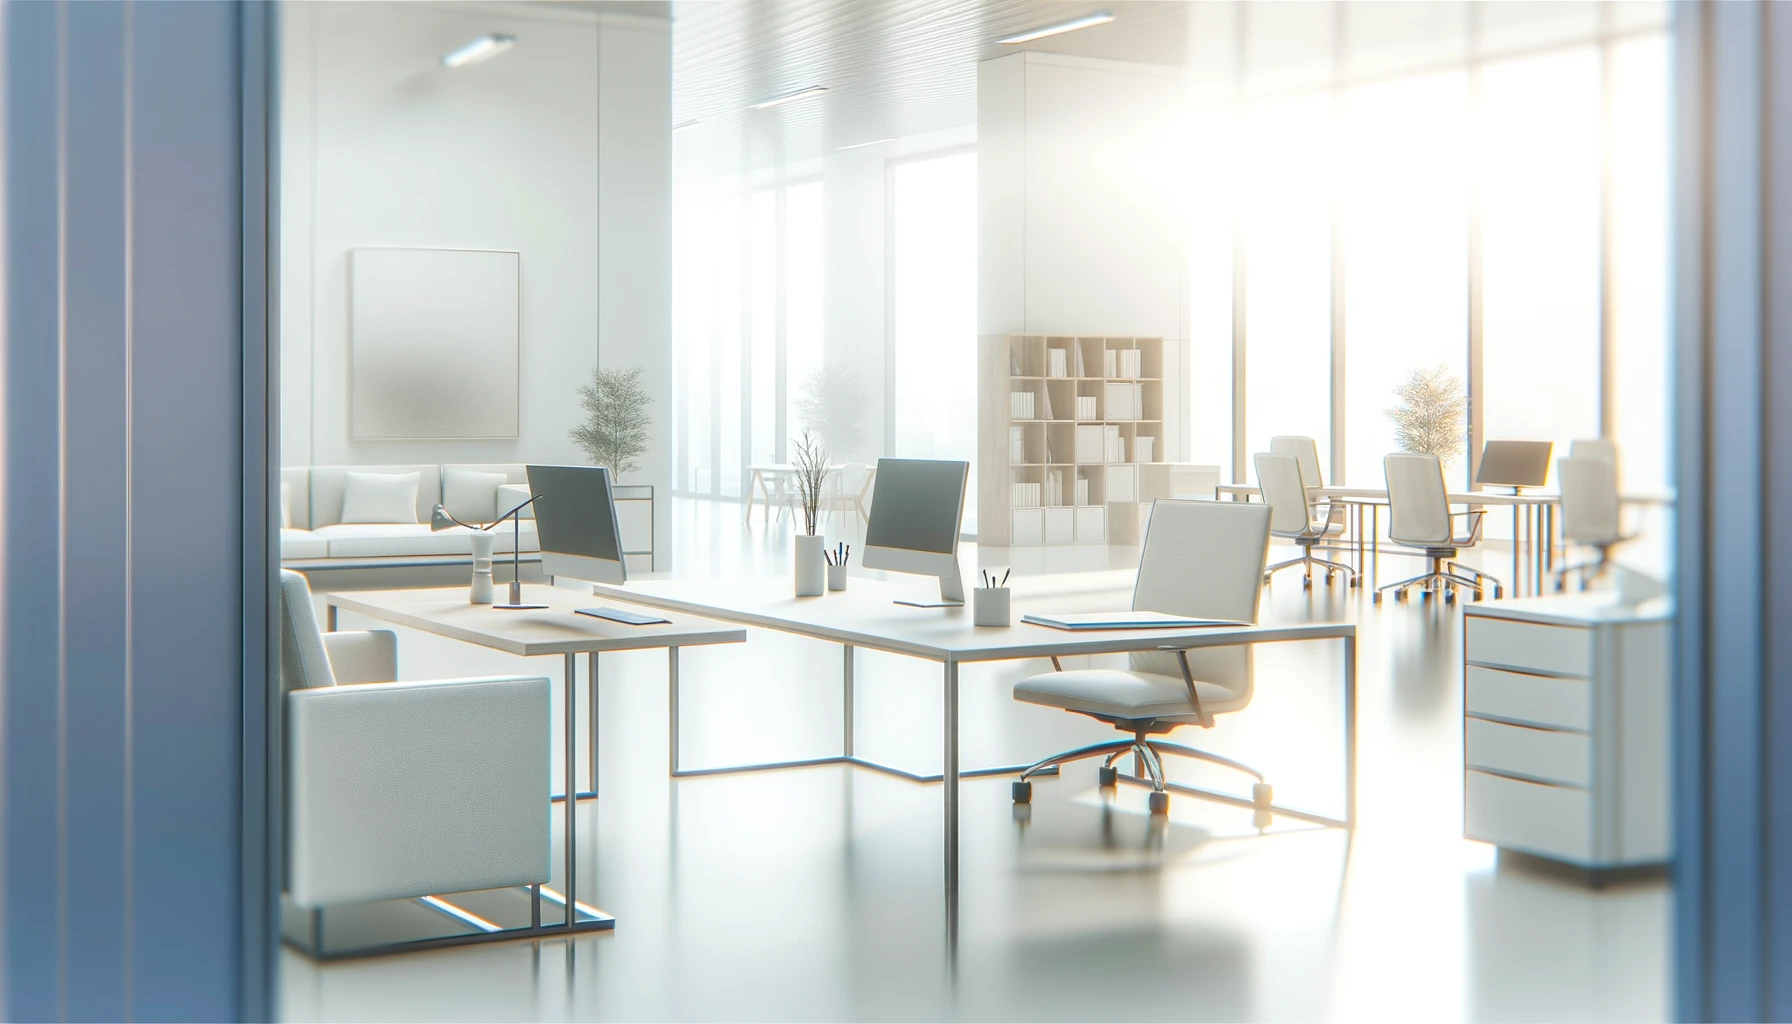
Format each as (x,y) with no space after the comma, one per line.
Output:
(1278,477)
(1203,559)
(303,661)
(1589,500)
(1305,451)
(1418,504)
(1592,448)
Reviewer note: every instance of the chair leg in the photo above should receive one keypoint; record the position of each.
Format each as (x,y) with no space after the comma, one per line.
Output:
(1117,747)
(1152,765)
(1202,755)
(1272,570)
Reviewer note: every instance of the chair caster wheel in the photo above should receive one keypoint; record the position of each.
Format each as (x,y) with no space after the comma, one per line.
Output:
(1355,582)
(1108,775)
(1399,595)
(1160,803)
(1330,577)
(1306,583)
(1496,593)
(1268,577)
(1022,792)
(1262,796)
(1449,597)
(1377,598)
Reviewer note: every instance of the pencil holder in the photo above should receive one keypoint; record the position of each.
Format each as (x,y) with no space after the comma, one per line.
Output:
(989,606)
(837,577)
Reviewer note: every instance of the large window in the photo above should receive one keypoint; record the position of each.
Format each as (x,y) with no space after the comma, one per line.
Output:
(747,331)
(1550,165)
(934,248)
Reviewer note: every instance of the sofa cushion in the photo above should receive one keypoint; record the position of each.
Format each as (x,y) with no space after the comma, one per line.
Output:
(387,540)
(303,544)
(380,497)
(512,495)
(295,496)
(327,484)
(471,495)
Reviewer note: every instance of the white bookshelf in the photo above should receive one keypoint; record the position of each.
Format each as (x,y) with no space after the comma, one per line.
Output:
(1056,470)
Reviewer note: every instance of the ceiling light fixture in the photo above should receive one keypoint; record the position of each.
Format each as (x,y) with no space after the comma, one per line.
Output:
(685,126)
(482,49)
(800,94)
(1087,21)
(873,142)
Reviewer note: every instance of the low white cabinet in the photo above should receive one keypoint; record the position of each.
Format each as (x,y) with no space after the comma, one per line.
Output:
(1566,748)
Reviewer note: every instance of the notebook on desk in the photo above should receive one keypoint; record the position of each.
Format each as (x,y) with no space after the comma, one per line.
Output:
(1123,620)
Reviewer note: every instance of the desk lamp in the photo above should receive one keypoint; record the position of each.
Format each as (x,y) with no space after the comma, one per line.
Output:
(440,520)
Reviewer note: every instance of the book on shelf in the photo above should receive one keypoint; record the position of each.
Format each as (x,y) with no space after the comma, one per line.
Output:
(1108,363)
(1017,445)
(1082,490)
(1077,347)
(1142,448)
(1057,363)
(1089,444)
(1020,405)
(1024,495)
(1115,448)
(1085,407)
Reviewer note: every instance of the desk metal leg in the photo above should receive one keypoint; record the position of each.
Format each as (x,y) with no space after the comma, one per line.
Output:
(591,719)
(330,617)
(572,785)
(1350,732)
(846,694)
(950,778)
(672,709)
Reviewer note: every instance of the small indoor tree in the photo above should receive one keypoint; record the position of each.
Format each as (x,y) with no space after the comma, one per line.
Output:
(832,403)
(615,432)
(1428,419)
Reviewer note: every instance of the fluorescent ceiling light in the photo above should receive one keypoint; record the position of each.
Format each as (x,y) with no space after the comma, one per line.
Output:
(800,94)
(1088,21)
(873,142)
(482,49)
(685,126)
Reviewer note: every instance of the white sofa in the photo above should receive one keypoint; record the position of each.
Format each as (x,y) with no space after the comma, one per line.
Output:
(312,526)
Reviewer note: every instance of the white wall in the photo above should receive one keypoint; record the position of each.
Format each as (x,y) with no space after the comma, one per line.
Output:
(536,151)
(1081,219)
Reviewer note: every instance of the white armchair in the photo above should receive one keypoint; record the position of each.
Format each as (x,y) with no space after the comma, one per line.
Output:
(399,790)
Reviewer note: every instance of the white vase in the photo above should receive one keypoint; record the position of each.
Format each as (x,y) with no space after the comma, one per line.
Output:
(483,543)
(811,565)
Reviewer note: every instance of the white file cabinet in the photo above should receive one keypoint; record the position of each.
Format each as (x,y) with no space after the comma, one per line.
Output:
(1566,749)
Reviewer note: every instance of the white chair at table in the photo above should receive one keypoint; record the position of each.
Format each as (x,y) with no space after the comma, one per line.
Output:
(399,790)
(1202,559)
(1602,448)
(1419,516)
(1306,452)
(1292,517)
(1591,515)
(849,487)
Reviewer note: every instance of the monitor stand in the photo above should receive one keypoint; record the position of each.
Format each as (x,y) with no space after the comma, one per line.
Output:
(951,593)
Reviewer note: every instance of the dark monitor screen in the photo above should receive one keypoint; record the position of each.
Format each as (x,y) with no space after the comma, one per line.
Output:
(1514,463)
(574,514)
(917,505)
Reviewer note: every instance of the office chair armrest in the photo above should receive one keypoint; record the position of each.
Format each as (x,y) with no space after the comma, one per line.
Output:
(1474,529)
(1188,680)
(366,656)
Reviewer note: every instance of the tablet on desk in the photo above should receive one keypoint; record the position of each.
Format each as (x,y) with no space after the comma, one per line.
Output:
(1124,620)
(626,618)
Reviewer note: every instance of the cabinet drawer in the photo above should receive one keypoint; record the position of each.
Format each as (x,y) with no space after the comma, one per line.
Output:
(1028,526)
(1565,757)
(1552,821)
(1528,646)
(1544,700)
(1060,525)
(1091,524)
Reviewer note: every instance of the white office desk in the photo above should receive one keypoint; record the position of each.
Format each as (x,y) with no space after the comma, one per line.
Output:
(863,616)
(556,629)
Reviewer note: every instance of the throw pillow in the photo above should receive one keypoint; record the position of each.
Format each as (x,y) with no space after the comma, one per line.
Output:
(470,495)
(380,497)
(512,495)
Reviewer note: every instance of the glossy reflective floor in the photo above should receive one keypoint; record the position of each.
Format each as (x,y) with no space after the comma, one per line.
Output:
(815,894)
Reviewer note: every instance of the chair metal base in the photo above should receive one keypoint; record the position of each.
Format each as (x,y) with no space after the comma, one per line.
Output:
(1446,576)
(1148,756)
(1307,561)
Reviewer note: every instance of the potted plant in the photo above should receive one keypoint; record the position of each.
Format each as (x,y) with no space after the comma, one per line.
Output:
(811,464)
(1429,417)
(614,434)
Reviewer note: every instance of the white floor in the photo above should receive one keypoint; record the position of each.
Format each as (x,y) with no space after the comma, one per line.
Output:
(815,894)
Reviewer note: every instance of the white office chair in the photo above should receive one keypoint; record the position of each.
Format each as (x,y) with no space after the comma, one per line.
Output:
(1292,518)
(1306,452)
(1419,516)
(1590,513)
(404,790)
(1602,448)
(1202,559)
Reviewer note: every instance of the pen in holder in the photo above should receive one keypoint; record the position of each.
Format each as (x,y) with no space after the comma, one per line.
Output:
(989,603)
(837,566)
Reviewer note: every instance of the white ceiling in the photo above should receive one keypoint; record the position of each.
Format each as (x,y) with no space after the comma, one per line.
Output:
(903,68)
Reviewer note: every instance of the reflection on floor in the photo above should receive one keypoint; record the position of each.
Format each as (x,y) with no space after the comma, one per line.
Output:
(815,894)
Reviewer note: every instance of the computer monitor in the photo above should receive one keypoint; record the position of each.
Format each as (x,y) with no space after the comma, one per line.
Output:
(575,521)
(916,508)
(1514,464)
